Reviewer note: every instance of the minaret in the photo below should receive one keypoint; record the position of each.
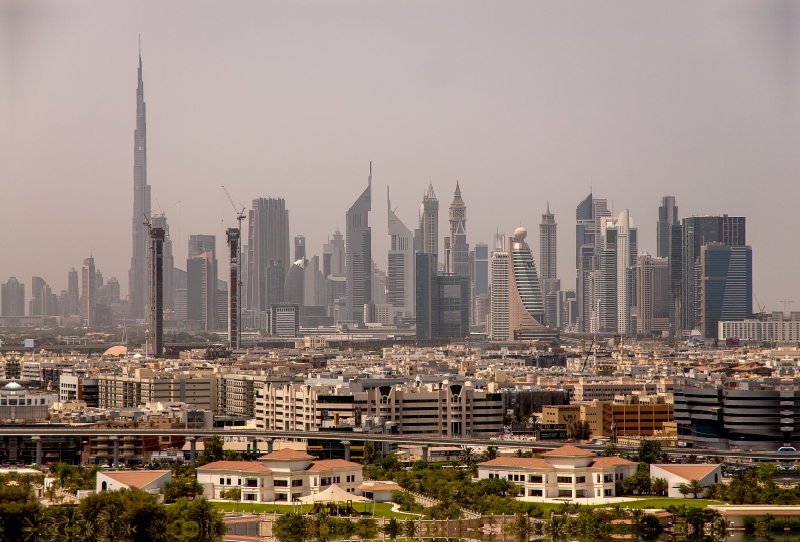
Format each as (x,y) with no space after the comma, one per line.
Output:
(138,285)
(458,262)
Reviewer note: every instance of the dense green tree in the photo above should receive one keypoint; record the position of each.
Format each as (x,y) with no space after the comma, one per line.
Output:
(291,527)
(212,450)
(209,521)
(182,487)
(393,528)
(579,430)
(659,486)
(695,487)
(370,453)
(650,452)
(610,449)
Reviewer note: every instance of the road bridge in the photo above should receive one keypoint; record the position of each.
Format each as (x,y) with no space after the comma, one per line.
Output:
(419,440)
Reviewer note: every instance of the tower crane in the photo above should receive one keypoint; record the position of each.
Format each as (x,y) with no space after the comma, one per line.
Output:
(239,214)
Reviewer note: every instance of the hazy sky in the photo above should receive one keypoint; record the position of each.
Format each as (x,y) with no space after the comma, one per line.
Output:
(522,102)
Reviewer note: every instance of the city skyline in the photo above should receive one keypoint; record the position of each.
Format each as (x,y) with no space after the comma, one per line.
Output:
(93,181)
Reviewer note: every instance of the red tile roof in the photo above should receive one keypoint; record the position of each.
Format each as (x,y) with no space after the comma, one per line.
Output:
(569,450)
(287,453)
(372,486)
(138,478)
(688,472)
(330,464)
(245,466)
(529,462)
(610,461)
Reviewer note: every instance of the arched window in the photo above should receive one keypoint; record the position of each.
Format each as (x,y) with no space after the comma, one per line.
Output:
(104,486)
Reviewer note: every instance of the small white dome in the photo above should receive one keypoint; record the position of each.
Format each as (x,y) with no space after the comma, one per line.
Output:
(13,386)
(520,234)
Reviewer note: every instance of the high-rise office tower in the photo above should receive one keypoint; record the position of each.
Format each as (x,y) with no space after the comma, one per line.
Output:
(89,291)
(400,277)
(268,257)
(201,290)
(333,256)
(314,287)
(300,248)
(458,261)
(113,291)
(294,285)
(617,282)
(726,286)
(13,298)
(160,221)
(589,243)
(675,277)
(499,329)
(233,236)
(73,292)
(138,292)
(156,304)
(359,254)
(525,302)
(547,246)
(427,299)
(35,303)
(378,285)
(481,268)
(667,216)
(699,231)
(429,223)
(652,295)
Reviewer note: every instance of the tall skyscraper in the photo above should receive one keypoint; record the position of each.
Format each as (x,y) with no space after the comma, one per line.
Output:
(588,246)
(160,221)
(89,291)
(525,301)
(300,248)
(268,257)
(233,236)
(458,258)
(36,301)
(73,292)
(156,303)
(652,295)
(427,299)
(400,277)
(699,231)
(13,298)
(359,254)
(333,256)
(615,291)
(429,223)
(138,274)
(201,290)
(726,286)
(547,246)
(481,268)
(499,329)
(667,216)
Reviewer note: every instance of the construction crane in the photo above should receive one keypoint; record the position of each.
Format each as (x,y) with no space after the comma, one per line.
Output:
(235,297)
(593,345)
(239,214)
(164,211)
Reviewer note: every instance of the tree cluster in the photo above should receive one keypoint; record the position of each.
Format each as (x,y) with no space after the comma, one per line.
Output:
(755,487)
(120,516)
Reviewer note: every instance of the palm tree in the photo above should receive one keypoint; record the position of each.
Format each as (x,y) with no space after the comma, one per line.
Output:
(393,529)
(69,524)
(466,456)
(683,489)
(37,527)
(659,486)
(695,487)
(556,528)
(410,529)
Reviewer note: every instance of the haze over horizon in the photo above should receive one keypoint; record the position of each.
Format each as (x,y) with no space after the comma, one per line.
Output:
(522,103)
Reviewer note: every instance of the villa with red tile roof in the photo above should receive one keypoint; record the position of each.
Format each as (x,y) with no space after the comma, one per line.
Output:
(568,472)
(676,474)
(282,476)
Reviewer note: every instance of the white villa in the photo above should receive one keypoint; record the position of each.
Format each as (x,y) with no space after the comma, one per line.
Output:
(567,472)
(284,475)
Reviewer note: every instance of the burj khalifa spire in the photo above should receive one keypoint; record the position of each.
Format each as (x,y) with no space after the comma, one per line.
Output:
(138,285)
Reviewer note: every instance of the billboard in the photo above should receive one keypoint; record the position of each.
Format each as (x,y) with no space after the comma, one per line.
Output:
(29,343)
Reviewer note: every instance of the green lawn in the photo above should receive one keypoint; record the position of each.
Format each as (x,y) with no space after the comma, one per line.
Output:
(382,509)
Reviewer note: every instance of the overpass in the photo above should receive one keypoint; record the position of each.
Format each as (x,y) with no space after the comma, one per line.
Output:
(420,440)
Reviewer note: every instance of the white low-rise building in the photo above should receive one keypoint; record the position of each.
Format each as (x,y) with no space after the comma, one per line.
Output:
(567,472)
(675,475)
(282,476)
(151,481)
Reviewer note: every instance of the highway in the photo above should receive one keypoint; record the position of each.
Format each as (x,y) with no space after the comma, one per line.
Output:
(430,440)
